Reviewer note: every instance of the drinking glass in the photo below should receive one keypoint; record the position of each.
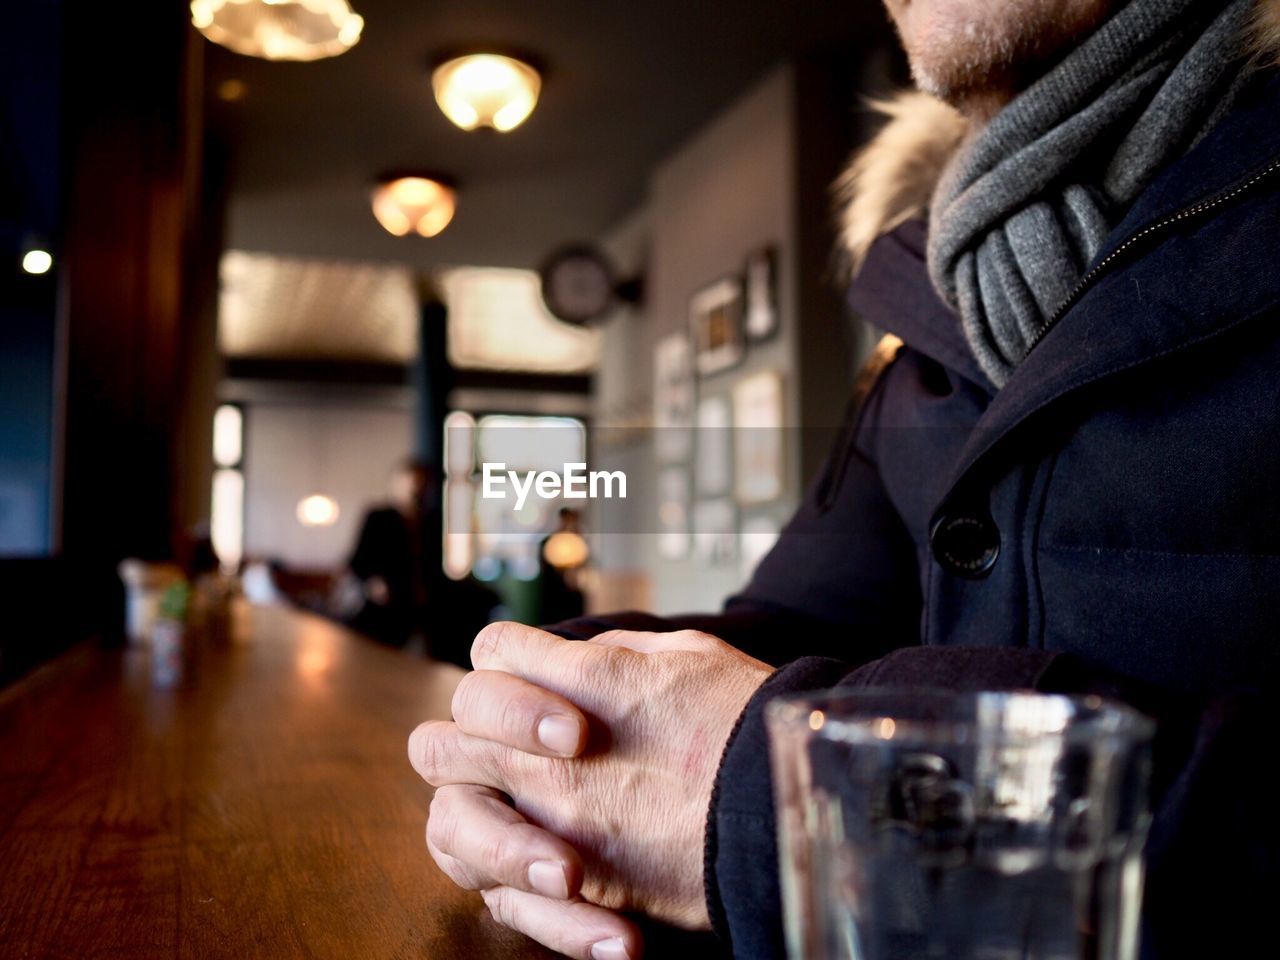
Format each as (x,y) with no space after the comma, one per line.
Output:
(979,826)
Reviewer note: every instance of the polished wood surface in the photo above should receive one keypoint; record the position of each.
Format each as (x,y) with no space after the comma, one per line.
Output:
(264,807)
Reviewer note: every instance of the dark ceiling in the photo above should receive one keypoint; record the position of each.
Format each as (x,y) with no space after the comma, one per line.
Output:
(624,84)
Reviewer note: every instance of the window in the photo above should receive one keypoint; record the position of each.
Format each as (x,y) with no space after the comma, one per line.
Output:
(226,518)
(489,536)
(497,321)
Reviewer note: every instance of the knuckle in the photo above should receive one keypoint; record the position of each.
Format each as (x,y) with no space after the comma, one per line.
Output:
(441,820)
(507,766)
(468,880)
(698,639)
(580,673)
(445,862)
(514,721)
(455,870)
(566,778)
(489,641)
(430,751)
(502,907)
(464,697)
(502,852)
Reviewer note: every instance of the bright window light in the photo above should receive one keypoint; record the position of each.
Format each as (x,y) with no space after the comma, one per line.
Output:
(226,523)
(532,443)
(481,534)
(497,321)
(459,552)
(459,444)
(228,436)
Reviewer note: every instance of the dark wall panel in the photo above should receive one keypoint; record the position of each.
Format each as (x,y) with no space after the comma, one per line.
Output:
(30,114)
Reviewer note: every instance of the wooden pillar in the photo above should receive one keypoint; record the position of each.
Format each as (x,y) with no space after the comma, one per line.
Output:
(133,95)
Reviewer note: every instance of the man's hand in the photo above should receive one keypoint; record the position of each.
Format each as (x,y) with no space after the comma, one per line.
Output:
(609,750)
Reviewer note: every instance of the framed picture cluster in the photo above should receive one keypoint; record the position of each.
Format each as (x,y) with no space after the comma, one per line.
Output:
(720,448)
(727,315)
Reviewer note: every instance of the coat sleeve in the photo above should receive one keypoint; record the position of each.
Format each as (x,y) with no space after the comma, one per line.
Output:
(1210,852)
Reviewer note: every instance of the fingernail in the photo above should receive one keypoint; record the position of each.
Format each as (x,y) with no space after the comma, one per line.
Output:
(548,878)
(611,949)
(559,734)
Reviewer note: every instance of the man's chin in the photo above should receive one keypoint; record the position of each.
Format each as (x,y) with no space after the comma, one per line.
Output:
(927,81)
(978,62)
(974,96)
(959,92)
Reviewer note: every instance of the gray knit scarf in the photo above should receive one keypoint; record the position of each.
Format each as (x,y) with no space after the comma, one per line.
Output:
(1024,207)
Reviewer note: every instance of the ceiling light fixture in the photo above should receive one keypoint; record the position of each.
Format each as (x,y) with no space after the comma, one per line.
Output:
(413,204)
(279,29)
(318,510)
(486,90)
(37,261)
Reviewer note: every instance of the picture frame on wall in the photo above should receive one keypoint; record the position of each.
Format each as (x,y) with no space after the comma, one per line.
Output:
(713,457)
(758,452)
(674,508)
(674,395)
(761,294)
(715,324)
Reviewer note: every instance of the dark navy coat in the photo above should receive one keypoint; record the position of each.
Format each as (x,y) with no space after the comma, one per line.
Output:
(1108,521)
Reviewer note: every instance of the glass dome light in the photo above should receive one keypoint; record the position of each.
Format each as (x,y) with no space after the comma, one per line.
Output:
(486,90)
(414,204)
(37,261)
(279,29)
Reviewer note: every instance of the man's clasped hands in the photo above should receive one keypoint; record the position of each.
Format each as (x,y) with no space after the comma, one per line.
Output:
(574,780)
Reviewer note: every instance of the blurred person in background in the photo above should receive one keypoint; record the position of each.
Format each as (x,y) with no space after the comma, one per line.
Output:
(397,557)
(1061,477)
(401,595)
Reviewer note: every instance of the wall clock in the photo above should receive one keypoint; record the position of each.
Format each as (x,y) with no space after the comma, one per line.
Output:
(578,284)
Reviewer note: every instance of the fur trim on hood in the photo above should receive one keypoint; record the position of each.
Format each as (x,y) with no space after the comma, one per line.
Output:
(891,180)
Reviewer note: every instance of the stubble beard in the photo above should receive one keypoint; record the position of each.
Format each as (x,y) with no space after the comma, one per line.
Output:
(978,54)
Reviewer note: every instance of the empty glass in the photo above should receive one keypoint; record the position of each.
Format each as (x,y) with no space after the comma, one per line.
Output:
(986,826)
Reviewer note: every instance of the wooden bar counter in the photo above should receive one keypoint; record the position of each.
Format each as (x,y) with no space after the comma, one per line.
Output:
(263,807)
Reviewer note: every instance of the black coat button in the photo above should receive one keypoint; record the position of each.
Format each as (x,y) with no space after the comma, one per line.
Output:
(965,544)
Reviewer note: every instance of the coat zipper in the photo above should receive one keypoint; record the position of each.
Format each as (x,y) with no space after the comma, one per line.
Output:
(1194,210)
